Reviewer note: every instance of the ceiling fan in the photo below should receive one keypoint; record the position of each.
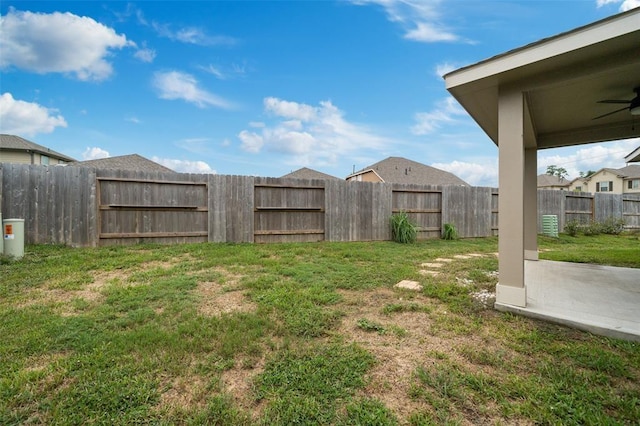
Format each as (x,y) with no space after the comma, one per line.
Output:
(633,105)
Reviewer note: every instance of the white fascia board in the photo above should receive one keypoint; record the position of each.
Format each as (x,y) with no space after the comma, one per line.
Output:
(598,32)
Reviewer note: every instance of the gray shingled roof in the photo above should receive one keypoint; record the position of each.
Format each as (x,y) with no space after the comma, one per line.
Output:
(307,173)
(545,181)
(16,143)
(402,170)
(629,172)
(125,162)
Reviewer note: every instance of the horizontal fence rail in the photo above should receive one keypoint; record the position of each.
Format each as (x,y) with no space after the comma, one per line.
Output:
(80,206)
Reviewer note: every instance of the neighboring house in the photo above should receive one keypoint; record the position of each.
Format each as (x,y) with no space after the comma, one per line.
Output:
(307,173)
(401,170)
(132,162)
(615,181)
(546,181)
(14,149)
(633,156)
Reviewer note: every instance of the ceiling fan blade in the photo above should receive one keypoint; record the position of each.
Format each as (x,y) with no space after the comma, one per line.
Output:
(613,101)
(610,113)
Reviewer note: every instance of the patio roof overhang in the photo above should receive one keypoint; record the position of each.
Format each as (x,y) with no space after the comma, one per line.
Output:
(545,95)
(633,156)
(562,78)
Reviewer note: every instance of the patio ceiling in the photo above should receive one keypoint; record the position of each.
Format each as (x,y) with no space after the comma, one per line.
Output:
(563,78)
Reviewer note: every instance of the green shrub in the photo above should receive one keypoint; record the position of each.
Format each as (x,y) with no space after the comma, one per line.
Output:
(402,229)
(593,228)
(449,232)
(572,227)
(612,226)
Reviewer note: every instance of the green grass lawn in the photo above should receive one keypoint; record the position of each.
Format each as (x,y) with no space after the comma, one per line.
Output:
(309,333)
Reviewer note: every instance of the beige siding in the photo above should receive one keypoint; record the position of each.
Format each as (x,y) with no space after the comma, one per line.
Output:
(15,157)
(604,177)
(620,186)
(18,157)
(370,177)
(632,190)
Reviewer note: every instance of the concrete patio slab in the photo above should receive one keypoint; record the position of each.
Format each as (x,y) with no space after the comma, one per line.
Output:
(604,300)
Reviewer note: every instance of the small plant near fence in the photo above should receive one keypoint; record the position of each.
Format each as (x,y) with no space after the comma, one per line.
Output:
(402,229)
(449,232)
(572,228)
(611,226)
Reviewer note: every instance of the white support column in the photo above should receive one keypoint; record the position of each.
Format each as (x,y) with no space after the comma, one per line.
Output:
(511,149)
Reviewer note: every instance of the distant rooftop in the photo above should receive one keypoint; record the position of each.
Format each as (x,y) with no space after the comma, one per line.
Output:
(133,162)
(307,173)
(16,143)
(402,170)
(547,181)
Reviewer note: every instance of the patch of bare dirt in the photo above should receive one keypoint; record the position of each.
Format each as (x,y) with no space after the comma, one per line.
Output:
(238,382)
(92,292)
(42,362)
(217,299)
(184,392)
(399,354)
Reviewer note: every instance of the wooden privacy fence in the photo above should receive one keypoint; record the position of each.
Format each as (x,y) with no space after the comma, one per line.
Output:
(162,210)
(87,207)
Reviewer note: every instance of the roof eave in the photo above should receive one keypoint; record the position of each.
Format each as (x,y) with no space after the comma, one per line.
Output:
(476,86)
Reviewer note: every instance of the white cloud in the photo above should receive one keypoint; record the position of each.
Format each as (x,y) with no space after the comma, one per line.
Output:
(58,42)
(309,135)
(444,68)
(429,32)
(484,172)
(214,70)
(95,153)
(421,20)
(290,110)
(590,157)
(184,166)
(448,110)
(251,141)
(224,72)
(200,146)
(145,55)
(134,120)
(624,4)
(174,85)
(27,118)
(475,174)
(191,35)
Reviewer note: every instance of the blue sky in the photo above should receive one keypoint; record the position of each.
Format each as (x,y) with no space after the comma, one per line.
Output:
(266,87)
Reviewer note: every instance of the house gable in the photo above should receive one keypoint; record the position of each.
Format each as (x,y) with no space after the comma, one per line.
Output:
(14,149)
(405,171)
(133,162)
(307,173)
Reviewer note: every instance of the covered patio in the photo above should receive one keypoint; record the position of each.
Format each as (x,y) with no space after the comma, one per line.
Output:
(546,95)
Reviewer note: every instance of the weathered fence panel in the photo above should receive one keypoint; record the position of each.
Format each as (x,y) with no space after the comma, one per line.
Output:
(57,203)
(357,211)
(606,206)
(494,211)
(423,205)
(578,206)
(631,210)
(231,201)
(469,209)
(551,202)
(288,210)
(135,207)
